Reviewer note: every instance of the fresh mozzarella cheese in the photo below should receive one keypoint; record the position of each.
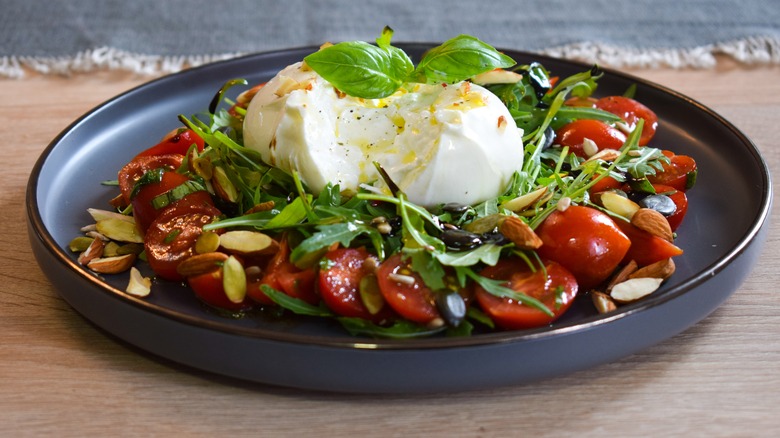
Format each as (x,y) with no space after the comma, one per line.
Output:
(438,143)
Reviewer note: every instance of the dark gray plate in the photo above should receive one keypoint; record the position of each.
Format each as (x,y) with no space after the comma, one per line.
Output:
(721,236)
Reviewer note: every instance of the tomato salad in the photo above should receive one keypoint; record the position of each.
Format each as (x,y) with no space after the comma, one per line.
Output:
(591,215)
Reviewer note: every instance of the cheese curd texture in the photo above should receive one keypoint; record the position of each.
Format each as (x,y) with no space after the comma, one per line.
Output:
(439,144)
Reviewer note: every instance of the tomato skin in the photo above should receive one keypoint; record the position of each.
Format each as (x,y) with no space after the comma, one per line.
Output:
(339,282)
(283,276)
(143,210)
(574,133)
(170,239)
(646,248)
(178,142)
(415,302)
(135,169)
(631,111)
(675,174)
(209,288)
(604,184)
(585,241)
(512,315)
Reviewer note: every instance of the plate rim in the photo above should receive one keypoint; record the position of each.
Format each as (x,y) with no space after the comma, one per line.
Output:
(35,221)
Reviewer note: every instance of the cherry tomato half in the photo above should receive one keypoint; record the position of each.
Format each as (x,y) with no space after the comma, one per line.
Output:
(170,239)
(208,287)
(177,142)
(135,169)
(556,291)
(680,201)
(144,211)
(585,241)
(645,247)
(631,111)
(285,277)
(603,135)
(339,282)
(411,299)
(679,173)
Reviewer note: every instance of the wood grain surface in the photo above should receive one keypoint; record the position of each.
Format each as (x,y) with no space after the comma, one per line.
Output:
(62,376)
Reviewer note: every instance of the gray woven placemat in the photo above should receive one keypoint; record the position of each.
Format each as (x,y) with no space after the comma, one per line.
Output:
(153,36)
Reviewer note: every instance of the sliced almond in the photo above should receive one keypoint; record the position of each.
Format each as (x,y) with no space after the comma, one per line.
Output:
(485,224)
(98,215)
(589,147)
(246,242)
(263,206)
(622,275)
(112,265)
(93,251)
(208,241)
(522,202)
(634,289)
(497,76)
(517,231)
(234,280)
(138,285)
(619,205)
(653,222)
(602,302)
(222,185)
(201,264)
(370,295)
(80,243)
(119,230)
(604,155)
(662,269)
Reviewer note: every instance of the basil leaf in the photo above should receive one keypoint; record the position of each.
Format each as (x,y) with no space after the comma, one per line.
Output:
(361,69)
(459,59)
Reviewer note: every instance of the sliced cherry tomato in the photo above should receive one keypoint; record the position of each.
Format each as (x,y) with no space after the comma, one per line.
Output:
(339,282)
(144,211)
(170,239)
(209,288)
(604,184)
(285,277)
(603,135)
(135,169)
(411,299)
(586,241)
(631,111)
(680,201)
(679,173)
(177,142)
(556,291)
(645,247)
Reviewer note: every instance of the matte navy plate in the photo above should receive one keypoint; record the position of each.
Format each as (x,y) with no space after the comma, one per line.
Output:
(722,235)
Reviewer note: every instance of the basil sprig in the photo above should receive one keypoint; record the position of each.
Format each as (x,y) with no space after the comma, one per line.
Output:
(372,71)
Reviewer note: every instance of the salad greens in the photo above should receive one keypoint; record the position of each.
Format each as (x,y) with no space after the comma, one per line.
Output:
(317,221)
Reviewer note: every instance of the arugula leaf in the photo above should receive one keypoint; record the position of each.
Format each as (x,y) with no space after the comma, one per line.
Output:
(295,305)
(459,59)
(343,233)
(487,254)
(497,288)
(400,329)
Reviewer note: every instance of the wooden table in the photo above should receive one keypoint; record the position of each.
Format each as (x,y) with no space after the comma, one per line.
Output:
(60,375)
